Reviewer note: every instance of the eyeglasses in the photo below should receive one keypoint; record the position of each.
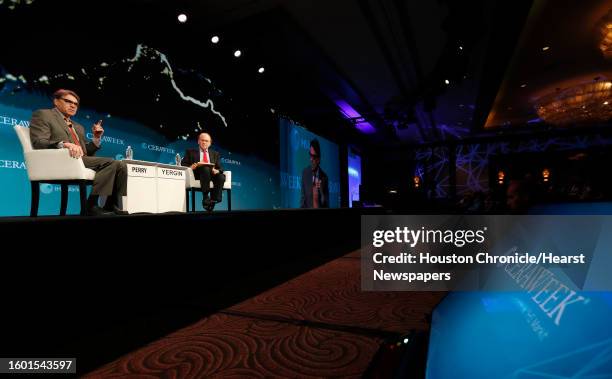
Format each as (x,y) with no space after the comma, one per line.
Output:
(76,104)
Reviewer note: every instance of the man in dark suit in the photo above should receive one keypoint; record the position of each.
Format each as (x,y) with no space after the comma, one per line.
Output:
(315,184)
(54,129)
(206,166)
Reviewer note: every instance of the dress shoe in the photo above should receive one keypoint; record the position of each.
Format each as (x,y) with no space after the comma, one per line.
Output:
(116,210)
(97,211)
(211,205)
(205,203)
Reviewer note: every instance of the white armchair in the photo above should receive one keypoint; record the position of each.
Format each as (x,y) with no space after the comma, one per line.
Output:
(53,166)
(192,185)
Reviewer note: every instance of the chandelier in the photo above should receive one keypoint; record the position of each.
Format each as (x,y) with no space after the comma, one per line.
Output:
(588,102)
(606,36)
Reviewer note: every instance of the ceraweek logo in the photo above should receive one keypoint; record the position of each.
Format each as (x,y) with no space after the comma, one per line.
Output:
(108,139)
(11,121)
(231,161)
(147,146)
(550,293)
(290,181)
(12,164)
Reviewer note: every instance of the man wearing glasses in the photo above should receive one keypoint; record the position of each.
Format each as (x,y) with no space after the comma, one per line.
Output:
(54,129)
(315,185)
(206,166)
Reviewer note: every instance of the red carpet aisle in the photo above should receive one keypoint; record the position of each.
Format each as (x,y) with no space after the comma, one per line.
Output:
(319,324)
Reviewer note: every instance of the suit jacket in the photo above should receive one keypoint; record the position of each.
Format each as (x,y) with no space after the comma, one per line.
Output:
(193,156)
(48,128)
(306,200)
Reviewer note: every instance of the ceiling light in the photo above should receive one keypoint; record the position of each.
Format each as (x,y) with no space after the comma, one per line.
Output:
(523,85)
(446,81)
(261,70)
(237,53)
(545,48)
(182,17)
(214,39)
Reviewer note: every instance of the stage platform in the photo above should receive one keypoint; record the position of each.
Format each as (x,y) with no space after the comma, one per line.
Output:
(96,288)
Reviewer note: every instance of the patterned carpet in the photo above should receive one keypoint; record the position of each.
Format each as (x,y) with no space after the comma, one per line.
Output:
(319,324)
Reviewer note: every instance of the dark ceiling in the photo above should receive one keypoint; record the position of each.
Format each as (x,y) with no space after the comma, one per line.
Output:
(386,60)
(367,72)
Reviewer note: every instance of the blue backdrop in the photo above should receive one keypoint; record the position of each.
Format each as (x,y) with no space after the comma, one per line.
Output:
(255,183)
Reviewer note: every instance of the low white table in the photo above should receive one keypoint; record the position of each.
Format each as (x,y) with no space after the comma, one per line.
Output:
(154,187)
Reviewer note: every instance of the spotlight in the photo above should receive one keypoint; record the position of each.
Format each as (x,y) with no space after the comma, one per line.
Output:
(523,85)
(261,70)
(545,48)
(182,17)
(446,81)
(237,53)
(214,39)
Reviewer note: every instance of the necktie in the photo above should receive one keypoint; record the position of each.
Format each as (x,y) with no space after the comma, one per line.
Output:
(315,192)
(205,156)
(75,139)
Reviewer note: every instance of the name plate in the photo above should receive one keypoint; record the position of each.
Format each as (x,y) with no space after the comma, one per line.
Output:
(141,171)
(168,173)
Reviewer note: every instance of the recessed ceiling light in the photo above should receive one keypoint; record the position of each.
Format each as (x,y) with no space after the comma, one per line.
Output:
(182,17)
(460,47)
(446,81)
(605,103)
(523,85)
(261,70)
(214,39)
(545,48)
(237,53)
